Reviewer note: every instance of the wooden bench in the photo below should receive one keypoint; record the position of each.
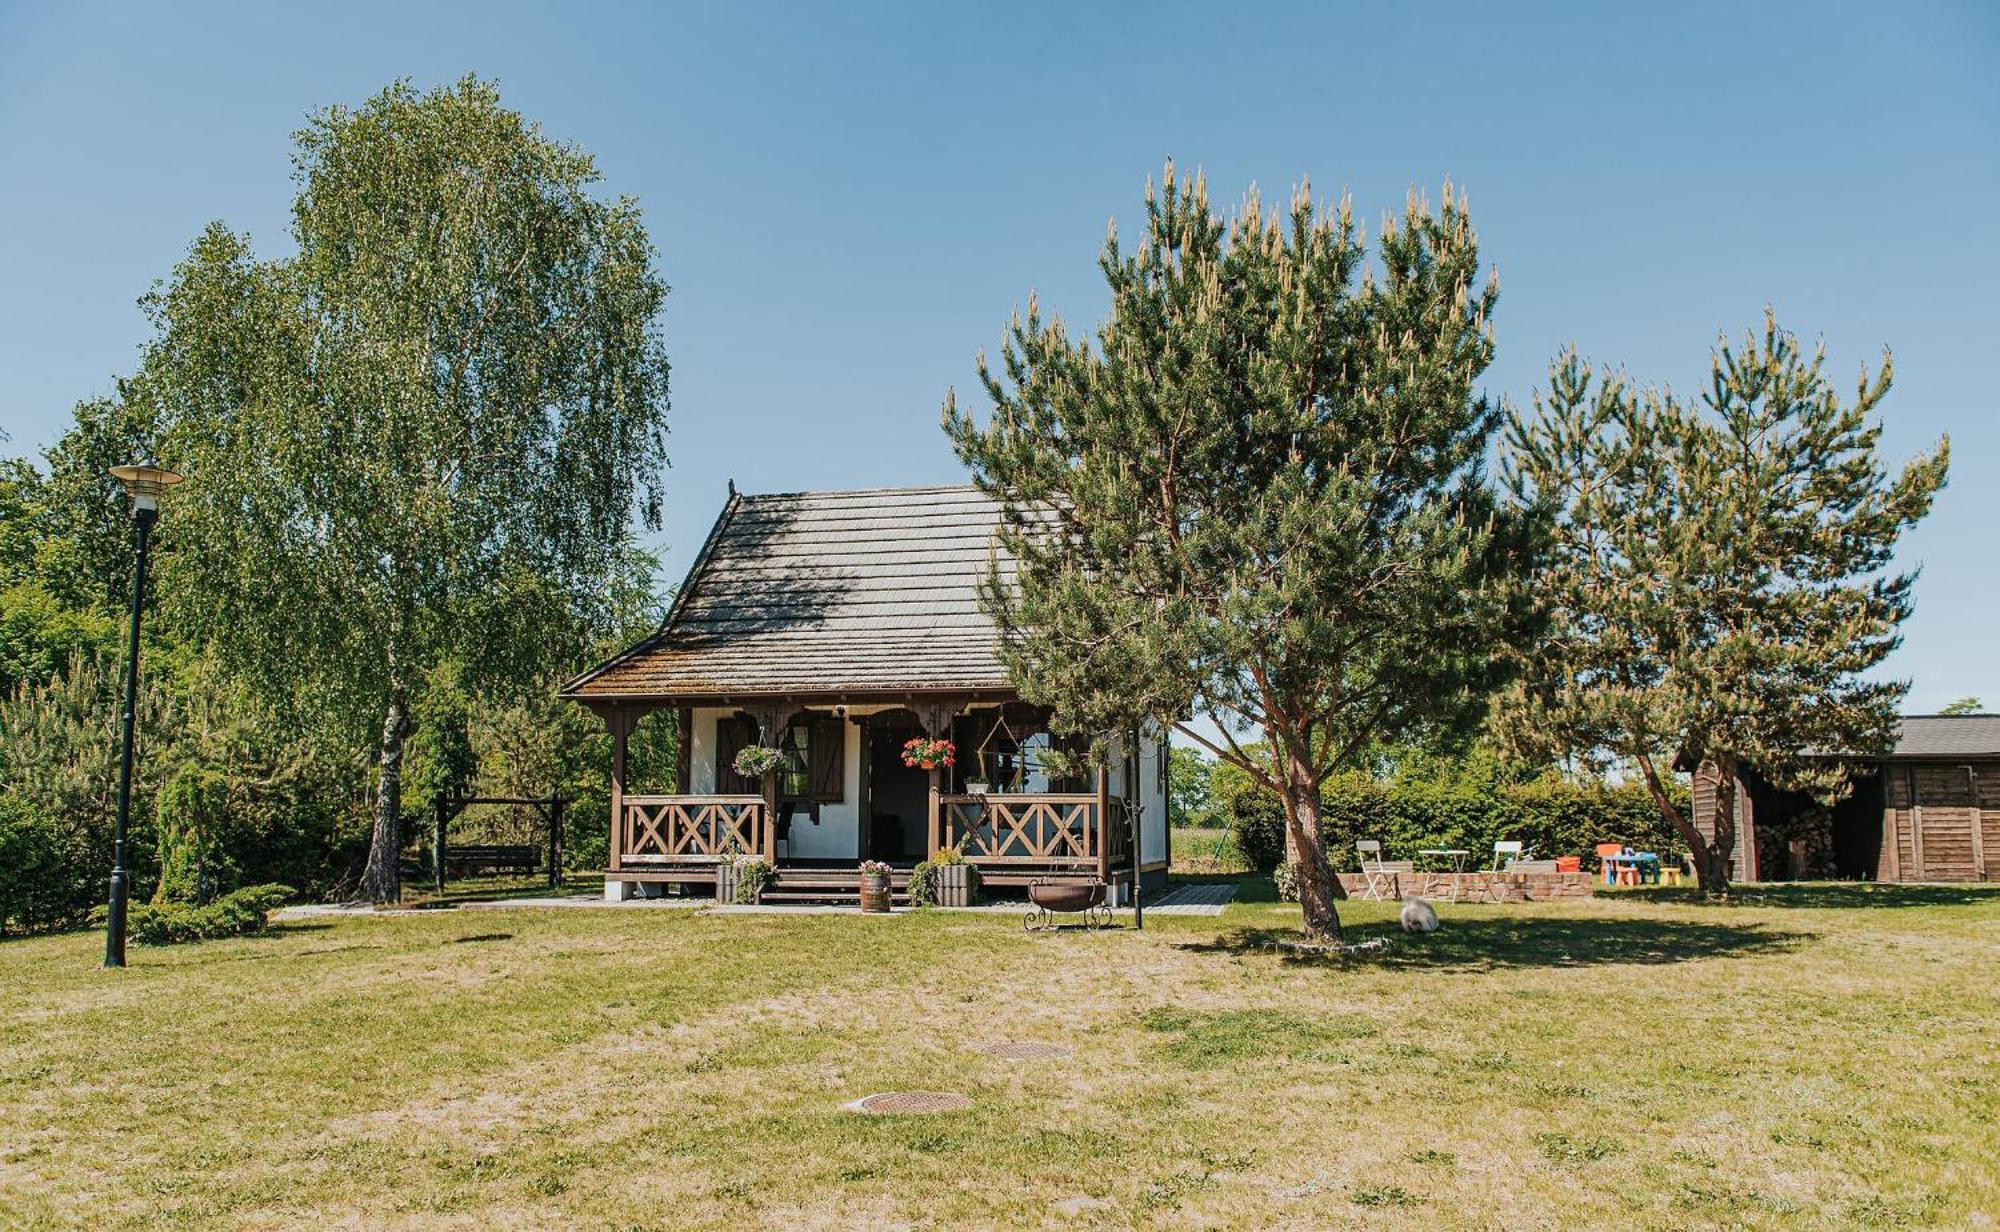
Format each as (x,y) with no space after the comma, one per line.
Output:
(495,857)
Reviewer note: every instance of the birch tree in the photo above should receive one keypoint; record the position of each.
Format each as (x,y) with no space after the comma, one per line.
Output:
(424,437)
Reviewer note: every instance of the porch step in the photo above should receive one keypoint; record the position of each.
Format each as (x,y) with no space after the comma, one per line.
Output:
(851,898)
(830,885)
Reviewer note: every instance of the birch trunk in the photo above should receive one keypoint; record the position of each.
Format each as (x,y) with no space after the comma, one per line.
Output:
(382,882)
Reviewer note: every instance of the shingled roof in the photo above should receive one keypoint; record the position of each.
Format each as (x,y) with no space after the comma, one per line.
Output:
(850,593)
(1948,735)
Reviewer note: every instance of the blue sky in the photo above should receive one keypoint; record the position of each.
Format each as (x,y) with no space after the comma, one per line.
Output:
(849,200)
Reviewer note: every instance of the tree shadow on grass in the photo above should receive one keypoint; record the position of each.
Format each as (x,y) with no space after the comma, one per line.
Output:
(1501,943)
(1827,895)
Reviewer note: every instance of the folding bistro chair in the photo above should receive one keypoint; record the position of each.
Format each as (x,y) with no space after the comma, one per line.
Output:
(1378,880)
(1508,850)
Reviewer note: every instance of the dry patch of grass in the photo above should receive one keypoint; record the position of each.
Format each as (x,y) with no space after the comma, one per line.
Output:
(1792,1061)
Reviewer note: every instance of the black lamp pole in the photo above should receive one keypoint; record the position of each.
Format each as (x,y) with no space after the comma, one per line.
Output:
(144,484)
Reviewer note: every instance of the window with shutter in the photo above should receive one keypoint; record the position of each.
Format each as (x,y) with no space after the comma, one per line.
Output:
(829,748)
(733,734)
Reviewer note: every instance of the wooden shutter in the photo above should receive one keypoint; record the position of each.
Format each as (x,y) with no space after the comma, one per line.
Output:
(733,734)
(827,764)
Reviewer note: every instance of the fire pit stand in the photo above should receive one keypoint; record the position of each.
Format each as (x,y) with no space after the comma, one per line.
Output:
(1086,898)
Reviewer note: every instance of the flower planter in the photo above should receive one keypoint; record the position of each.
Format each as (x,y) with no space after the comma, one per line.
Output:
(955,885)
(875,892)
(726,880)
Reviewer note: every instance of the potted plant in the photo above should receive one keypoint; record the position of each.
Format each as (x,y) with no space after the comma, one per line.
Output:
(929,753)
(754,761)
(874,886)
(949,880)
(977,787)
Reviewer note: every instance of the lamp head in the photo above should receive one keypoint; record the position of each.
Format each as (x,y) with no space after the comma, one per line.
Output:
(144,482)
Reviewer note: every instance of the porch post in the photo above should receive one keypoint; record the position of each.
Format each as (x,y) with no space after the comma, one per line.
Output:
(936,716)
(684,749)
(619,720)
(771,737)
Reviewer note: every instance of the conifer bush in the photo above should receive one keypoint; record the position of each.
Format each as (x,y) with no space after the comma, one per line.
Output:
(236,914)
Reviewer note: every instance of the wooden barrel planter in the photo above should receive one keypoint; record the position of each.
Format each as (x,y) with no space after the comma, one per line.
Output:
(875,892)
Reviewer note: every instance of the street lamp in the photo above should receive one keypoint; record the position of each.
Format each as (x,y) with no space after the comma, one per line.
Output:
(143,483)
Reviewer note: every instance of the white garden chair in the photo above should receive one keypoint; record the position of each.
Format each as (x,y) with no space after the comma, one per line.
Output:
(1505,851)
(1378,880)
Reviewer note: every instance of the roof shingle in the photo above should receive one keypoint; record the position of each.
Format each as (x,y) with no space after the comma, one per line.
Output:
(1948,735)
(826,592)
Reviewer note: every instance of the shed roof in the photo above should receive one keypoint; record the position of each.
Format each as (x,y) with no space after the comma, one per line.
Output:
(871,591)
(1948,735)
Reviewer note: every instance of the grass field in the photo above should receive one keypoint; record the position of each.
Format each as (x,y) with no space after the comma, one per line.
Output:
(1816,1057)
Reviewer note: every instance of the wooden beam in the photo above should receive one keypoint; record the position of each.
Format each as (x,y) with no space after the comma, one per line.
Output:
(1978,824)
(1892,827)
(1916,826)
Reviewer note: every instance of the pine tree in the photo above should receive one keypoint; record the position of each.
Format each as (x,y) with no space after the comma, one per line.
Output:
(1718,584)
(1258,499)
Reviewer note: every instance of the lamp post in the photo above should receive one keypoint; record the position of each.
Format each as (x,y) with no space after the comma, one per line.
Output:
(143,484)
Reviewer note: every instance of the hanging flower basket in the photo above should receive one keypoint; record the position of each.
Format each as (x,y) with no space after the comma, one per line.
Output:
(755,761)
(926,753)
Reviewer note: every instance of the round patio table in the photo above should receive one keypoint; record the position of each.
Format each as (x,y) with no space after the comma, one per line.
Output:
(1455,857)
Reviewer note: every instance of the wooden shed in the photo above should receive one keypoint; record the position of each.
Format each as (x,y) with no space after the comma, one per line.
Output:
(1929,811)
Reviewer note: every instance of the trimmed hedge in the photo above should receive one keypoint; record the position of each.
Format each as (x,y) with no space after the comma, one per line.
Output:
(1553,816)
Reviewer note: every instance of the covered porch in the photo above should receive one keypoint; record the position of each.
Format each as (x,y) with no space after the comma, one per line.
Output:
(843,795)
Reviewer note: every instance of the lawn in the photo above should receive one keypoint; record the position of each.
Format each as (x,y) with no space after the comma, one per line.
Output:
(1814,1057)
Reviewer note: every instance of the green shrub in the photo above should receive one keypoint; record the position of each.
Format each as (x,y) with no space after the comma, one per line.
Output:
(1257,827)
(235,914)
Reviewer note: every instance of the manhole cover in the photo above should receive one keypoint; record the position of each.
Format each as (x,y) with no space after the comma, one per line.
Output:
(912,1103)
(1028,1051)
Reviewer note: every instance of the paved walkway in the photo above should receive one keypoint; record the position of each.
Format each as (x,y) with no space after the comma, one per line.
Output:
(1181,900)
(1193,900)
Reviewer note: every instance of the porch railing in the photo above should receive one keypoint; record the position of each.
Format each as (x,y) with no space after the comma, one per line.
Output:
(690,829)
(1042,830)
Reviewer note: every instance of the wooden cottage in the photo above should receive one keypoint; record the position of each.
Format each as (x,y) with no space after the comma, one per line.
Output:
(835,627)
(1929,811)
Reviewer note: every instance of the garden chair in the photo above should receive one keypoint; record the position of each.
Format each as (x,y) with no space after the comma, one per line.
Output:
(1507,850)
(1378,879)
(1607,857)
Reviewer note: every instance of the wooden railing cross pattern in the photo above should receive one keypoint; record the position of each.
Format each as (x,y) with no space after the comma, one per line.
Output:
(692,829)
(1023,829)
